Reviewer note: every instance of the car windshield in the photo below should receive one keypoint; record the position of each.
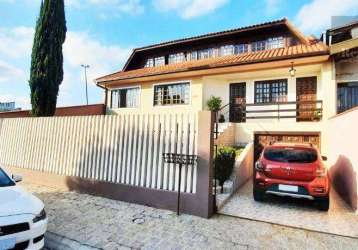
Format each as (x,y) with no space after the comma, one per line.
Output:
(5,181)
(292,155)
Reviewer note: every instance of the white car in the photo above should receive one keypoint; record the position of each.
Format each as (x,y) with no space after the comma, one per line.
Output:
(23,220)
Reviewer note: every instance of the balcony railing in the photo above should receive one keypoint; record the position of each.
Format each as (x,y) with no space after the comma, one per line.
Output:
(298,111)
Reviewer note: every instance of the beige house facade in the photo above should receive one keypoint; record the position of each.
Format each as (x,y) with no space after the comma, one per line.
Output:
(280,81)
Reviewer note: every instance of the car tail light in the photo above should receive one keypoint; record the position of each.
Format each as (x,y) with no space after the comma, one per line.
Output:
(259,166)
(321,172)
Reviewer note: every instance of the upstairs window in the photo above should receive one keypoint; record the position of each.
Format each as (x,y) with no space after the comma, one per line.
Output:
(159,61)
(205,53)
(227,50)
(241,48)
(149,63)
(171,94)
(275,43)
(192,55)
(347,96)
(258,46)
(271,91)
(125,98)
(176,58)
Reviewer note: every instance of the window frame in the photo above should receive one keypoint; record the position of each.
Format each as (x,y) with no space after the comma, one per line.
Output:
(127,87)
(171,83)
(345,86)
(270,92)
(254,44)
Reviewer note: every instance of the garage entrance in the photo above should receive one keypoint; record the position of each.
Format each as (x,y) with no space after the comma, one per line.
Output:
(262,139)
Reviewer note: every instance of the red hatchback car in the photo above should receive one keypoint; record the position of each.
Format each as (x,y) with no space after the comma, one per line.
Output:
(294,170)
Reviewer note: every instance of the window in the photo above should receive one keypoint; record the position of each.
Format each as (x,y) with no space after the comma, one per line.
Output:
(271,91)
(241,48)
(227,50)
(125,98)
(149,63)
(258,46)
(276,42)
(291,155)
(205,53)
(159,61)
(171,94)
(347,95)
(176,58)
(192,56)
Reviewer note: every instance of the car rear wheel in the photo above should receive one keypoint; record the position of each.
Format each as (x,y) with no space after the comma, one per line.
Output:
(323,204)
(259,195)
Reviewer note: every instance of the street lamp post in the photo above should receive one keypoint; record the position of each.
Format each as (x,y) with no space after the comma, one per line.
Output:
(85,67)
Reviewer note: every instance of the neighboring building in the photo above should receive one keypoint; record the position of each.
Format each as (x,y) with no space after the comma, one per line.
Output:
(7,106)
(343,42)
(275,82)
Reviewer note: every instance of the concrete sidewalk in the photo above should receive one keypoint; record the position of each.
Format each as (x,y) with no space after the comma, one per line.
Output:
(79,221)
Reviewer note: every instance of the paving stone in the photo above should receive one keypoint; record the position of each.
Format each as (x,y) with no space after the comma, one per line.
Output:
(100,223)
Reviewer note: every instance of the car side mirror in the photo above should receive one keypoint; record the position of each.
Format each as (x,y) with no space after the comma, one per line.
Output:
(17,178)
(324,158)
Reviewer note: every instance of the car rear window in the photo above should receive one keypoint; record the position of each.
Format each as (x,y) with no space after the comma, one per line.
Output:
(294,155)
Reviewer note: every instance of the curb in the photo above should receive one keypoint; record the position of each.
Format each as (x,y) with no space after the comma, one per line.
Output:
(55,241)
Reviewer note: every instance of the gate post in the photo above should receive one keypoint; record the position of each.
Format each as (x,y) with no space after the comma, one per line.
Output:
(205,148)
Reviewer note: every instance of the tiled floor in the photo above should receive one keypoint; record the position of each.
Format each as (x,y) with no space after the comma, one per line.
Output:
(340,219)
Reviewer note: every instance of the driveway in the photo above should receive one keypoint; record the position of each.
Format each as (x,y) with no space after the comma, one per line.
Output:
(340,219)
(80,221)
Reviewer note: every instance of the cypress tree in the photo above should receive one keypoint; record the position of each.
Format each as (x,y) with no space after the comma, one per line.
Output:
(46,73)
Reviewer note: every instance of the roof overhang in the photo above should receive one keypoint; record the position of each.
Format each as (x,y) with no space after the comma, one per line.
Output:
(220,70)
(344,46)
(299,35)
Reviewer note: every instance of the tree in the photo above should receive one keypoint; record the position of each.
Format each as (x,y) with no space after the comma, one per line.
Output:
(46,73)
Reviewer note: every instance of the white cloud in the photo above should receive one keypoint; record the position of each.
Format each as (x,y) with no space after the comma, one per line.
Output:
(16,42)
(272,6)
(79,48)
(109,8)
(9,72)
(188,9)
(316,15)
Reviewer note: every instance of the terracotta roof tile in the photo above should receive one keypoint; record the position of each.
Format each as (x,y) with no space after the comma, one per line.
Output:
(246,58)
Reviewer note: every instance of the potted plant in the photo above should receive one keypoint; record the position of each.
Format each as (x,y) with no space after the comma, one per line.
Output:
(224,164)
(221,118)
(214,103)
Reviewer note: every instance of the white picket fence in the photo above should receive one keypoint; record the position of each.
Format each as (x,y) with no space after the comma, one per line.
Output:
(124,148)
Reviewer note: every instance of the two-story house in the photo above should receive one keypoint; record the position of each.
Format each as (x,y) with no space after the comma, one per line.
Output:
(275,82)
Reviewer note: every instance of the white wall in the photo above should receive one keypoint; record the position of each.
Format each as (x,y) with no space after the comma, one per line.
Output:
(342,139)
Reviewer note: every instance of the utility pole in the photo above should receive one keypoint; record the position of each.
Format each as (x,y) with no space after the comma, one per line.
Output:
(85,67)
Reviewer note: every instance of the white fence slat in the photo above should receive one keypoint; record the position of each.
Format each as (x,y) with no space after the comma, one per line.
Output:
(126,148)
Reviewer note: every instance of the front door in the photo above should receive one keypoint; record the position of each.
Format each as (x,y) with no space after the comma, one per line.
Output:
(237,102)
(306,96)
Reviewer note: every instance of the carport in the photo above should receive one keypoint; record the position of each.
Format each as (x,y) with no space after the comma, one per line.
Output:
(340,219)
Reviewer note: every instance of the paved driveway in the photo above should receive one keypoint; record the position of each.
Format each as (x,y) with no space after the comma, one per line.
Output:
(86,222)
(340,219)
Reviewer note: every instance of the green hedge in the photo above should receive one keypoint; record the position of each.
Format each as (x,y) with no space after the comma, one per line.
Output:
(224,164)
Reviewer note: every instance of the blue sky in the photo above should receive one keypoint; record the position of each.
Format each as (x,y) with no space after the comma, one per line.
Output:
(102,33)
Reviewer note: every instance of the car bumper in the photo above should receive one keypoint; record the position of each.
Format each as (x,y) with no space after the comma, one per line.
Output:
(311,190)
(32,239)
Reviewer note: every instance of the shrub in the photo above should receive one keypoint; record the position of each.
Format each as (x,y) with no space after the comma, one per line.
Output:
(224,164)
(214,103)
